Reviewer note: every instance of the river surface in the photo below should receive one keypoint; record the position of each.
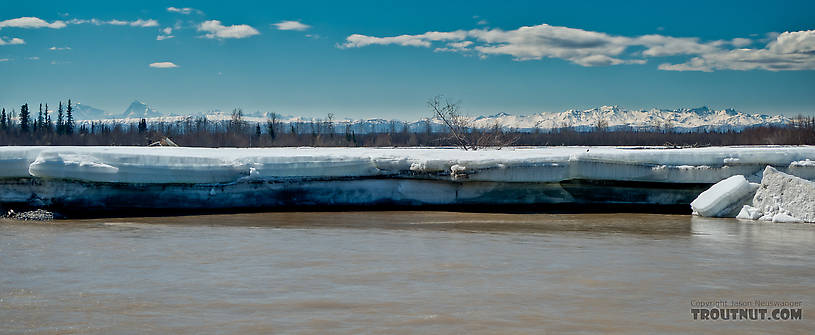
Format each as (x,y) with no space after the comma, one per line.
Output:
(399,273)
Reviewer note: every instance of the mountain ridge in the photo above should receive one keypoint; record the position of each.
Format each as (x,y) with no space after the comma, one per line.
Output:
(608,117)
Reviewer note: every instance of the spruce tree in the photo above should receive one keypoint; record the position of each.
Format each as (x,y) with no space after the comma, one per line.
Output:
(60,123)
(40,120)
(48,125)
(3,119)
(69,119)
(25,118)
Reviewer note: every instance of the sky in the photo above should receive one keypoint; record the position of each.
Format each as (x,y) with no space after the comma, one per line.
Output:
(384,59)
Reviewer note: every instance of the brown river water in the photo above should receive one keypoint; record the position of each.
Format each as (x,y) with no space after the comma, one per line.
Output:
(399,273)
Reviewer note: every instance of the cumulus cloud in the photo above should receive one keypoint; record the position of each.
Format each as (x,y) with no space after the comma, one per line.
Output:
(462,46)
(214,29)
(185,10)
(422,40)
(144,23)
(163,65)
(12,41)
(166,33)
(31,23)
(56,48)
(741,42)
(787,51)
(291,25)
(115,22)
(546,41)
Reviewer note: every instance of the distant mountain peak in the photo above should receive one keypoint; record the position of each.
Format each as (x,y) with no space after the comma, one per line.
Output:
(82,111)
(138,109)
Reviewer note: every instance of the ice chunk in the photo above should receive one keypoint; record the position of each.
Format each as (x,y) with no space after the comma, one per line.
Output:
(457,171)
(749,213)
(807,162)
(721,199)
(781,193)
(784,218)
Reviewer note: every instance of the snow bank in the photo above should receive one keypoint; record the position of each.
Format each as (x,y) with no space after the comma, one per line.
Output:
(724,197)
(533,165)
(163,177)
(119,166)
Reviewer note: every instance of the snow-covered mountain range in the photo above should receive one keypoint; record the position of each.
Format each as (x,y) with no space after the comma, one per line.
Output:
(609,117)
(615,117)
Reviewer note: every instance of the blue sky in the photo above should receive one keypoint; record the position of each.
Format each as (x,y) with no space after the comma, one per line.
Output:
(385,58)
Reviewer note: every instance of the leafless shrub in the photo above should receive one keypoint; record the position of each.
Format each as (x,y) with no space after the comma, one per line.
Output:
(461,130)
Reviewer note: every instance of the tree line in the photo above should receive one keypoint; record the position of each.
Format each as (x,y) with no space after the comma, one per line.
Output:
(24,123)
(23,128)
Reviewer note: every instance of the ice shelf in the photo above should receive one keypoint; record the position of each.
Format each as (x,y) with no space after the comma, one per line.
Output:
(142,177)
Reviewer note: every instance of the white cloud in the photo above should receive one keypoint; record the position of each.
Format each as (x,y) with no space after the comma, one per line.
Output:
(462,46)
(741,42)
(661,46)
(33,58)
(422,40)
(55,48)
(291,25)
(215,29)
(787,51)
(144,23)
(790,51)
(185,10)
(163,65)
(166,33)
(482,22)
(545,41)
(31,22)
(115,22)
(12,41)
(3,59)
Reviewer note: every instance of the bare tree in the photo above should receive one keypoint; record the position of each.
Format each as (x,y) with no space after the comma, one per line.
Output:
(237,124)
(601,123)
(448,113)
(329,124)
(272,125)
(462,131)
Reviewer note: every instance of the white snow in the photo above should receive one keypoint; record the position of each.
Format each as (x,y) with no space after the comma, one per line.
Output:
(806,162)
(179,177)
(522,164)
(720,198)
